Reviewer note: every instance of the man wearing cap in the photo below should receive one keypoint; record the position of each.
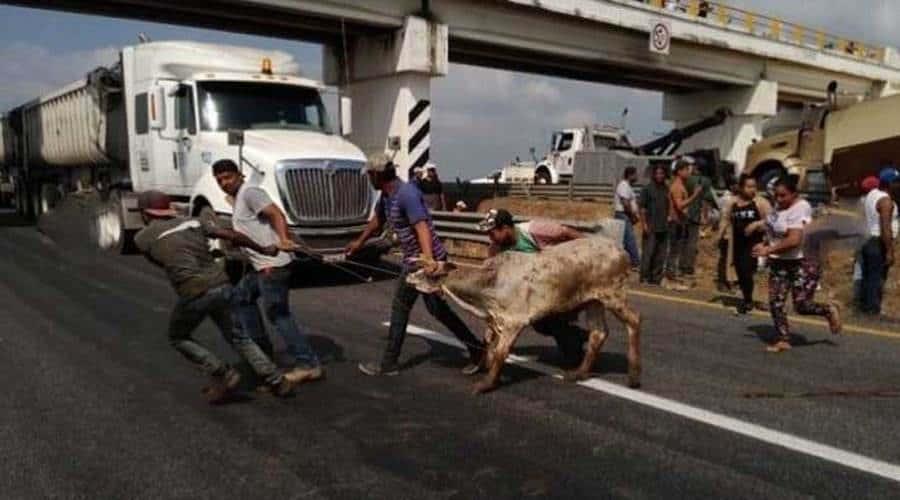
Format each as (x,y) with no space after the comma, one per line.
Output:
(256,215)
(179,245)
(401,205)
(881,219)
(533,237)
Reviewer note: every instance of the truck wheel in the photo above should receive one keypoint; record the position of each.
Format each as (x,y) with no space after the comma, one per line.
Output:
(50,197)
(109,229)
(769,177)
(36,204)
(543,177)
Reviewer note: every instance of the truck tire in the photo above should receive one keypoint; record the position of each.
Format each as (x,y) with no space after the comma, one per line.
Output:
(50,197)
(542,177)
(109,231)
(767,179)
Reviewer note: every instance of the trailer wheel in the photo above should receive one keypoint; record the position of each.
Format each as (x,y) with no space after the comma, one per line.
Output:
(109,231)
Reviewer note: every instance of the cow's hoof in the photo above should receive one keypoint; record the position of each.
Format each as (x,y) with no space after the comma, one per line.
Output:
(574,376)
(482,387)
(634,383)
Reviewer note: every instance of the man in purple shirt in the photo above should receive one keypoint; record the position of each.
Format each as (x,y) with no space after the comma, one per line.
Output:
(403,207)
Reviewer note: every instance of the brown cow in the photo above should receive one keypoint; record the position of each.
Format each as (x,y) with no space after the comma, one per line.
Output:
(512,290)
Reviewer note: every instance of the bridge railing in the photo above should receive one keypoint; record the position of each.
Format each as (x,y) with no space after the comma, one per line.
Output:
(772,28)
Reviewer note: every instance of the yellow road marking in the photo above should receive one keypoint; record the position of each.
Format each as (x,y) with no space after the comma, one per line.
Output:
(796,319)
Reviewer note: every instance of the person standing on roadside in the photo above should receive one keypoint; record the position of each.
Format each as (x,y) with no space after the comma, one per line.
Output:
(626,210)
(878,250)
(654,219)
(432,189)
(534,237)
(788,271)
(256,215)
(401,205)
(179,245)
(723,239)
(696,215)
(680,201)
(743,225)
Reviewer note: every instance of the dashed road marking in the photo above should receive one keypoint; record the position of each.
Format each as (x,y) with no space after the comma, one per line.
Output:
(753,431)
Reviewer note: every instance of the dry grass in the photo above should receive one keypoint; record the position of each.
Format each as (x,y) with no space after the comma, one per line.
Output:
(551,209)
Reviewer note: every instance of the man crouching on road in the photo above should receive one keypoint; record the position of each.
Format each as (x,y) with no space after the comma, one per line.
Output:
(532,237)
(257,216)
(179,245)
(402,205)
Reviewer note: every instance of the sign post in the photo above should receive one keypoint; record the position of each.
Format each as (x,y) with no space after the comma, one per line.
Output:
(660,37)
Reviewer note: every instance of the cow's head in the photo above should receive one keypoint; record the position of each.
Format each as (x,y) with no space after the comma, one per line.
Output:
(429,284)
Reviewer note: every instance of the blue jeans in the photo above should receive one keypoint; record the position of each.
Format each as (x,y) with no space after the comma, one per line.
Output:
(273,286)
(629,241)
(874,274)
(405,298)
(218,304)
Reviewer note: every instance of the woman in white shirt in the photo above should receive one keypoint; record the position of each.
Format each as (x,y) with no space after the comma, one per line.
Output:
(789,272)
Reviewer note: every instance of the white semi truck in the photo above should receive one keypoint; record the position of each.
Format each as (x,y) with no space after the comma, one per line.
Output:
(163,114)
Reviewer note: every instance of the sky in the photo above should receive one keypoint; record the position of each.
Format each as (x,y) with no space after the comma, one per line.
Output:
(481,118)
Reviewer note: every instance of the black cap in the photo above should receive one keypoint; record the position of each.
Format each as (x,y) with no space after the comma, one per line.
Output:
(495,218)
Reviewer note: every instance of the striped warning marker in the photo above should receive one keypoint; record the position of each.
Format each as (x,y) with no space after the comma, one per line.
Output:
(420,134)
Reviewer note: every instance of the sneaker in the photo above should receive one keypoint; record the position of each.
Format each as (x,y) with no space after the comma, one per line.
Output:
(834,318)
(373,369)
(298,375)
(744,308)
(780,346)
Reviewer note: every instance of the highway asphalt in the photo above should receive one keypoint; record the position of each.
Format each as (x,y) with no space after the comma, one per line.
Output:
(98,405)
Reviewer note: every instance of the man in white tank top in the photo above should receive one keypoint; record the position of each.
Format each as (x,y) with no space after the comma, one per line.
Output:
(882,225)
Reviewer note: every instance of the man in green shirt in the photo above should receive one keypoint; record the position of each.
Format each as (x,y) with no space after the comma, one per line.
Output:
(533,237)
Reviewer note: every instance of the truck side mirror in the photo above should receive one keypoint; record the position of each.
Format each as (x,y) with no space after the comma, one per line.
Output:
(156,108)
(346,112)
(235,137)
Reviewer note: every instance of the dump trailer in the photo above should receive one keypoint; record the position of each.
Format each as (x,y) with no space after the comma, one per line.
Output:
(835,146)
(164,113)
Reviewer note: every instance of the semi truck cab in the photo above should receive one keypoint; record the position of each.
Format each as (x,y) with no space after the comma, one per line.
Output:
(182,99)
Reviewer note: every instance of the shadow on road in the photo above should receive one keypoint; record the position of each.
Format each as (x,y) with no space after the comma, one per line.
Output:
(767,334)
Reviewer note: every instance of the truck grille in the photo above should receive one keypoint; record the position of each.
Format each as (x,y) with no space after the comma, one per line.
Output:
(324,191)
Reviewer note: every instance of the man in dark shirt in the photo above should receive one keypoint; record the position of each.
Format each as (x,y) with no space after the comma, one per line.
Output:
(401,205)
(180,247)
(696,216)
(654,221)
(432,190)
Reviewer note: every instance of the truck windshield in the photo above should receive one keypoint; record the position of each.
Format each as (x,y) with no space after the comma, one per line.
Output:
(250,105)
(562,141)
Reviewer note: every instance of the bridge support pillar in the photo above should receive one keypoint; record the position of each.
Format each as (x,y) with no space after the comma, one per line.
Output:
(389,78)
(750,109)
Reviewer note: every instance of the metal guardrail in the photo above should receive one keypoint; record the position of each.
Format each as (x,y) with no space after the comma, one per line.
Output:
(771,28)
(464,226)
(570,192)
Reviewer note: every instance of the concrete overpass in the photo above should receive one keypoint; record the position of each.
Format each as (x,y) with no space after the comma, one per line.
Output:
(394,47)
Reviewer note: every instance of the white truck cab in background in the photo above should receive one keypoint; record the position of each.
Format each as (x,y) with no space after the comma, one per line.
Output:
(161,117)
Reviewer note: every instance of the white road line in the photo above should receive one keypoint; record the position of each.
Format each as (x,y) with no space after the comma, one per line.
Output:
(828,453)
